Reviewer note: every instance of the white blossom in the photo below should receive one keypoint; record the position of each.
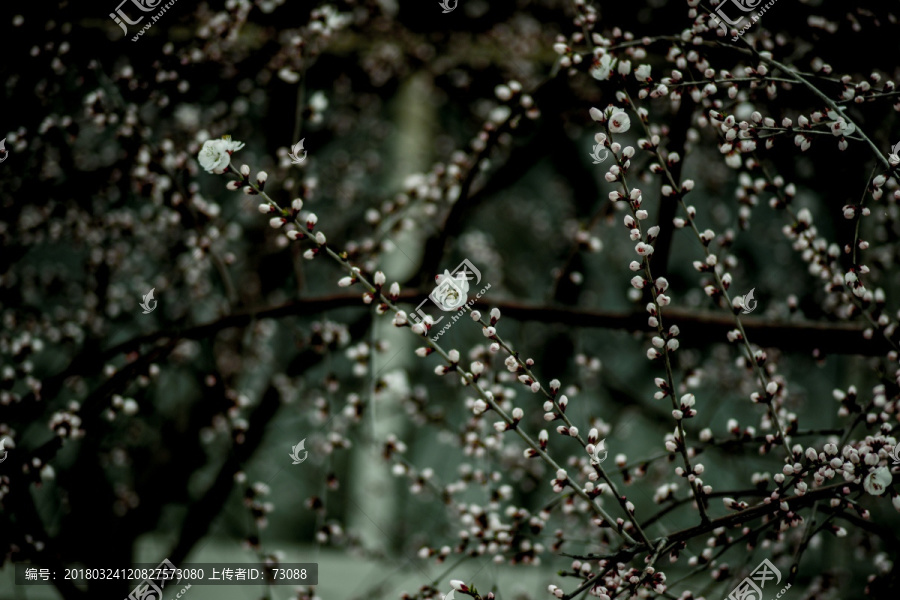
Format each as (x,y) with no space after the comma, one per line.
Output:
(877,481)
(642,73)
(215,156)
(602,69)
(839,126)
(619,122)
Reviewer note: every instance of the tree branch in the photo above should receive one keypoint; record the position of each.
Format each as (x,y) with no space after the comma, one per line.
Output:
(697,327)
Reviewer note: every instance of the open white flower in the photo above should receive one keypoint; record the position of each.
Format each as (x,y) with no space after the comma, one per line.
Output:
(842,127)
(603,67)
(215,156)
(619,123)
(642,73)
(877,481)
(839,126)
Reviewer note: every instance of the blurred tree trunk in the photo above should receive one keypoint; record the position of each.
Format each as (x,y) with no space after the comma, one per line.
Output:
(372,481)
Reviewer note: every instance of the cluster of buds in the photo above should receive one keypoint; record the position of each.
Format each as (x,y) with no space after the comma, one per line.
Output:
(561,480)
(587,241)
(378,281)
(543,439)
(453,357)
(127,406)
(67,424)
(686,410)
(253,496)
(772,391)
(420,328)
(419,481)
(664,389)
(550,413)
(856,287)
(489,331)
(361,355)
(666,343)
(693,474)
(847,401)
(733,504)
(567,56)
(321,241)
(529,382)
(350,279)
(243,181)
(517,415)
(665,492)
(511,93)
(734,428)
